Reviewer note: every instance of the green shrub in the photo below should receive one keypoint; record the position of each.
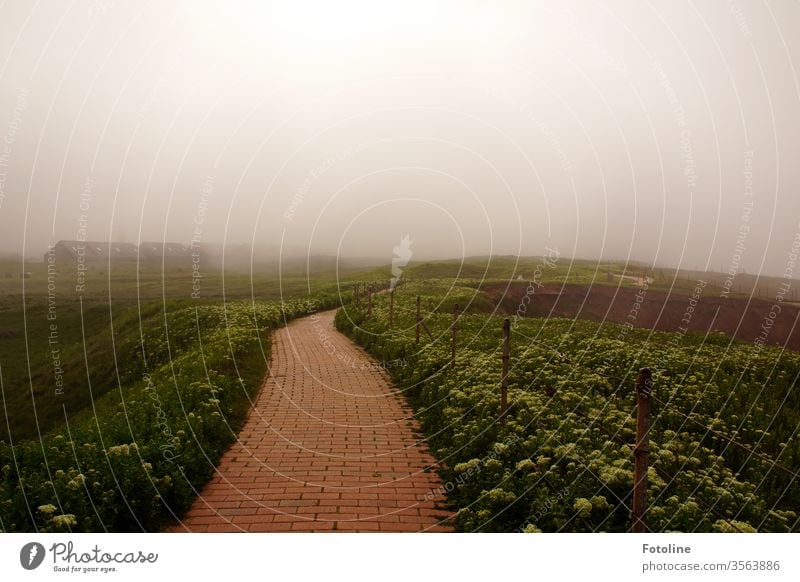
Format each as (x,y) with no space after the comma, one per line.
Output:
(135,460)
(562,461)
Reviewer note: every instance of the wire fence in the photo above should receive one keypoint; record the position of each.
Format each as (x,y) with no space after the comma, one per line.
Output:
(506,407)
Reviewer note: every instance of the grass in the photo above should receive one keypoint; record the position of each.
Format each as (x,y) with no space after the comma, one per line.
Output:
(96,332)
(116,299)
(723,444)
(128,324)
(134,459)
(504,269)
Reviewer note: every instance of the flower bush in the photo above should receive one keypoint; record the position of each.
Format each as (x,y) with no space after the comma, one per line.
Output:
(562,460)
(137,459)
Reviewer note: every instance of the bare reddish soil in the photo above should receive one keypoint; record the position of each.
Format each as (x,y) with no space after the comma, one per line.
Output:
(737,317)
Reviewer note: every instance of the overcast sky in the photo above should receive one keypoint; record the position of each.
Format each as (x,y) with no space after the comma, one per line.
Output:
(663,132)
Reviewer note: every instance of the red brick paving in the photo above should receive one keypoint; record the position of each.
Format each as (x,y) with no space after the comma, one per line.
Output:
(330,445)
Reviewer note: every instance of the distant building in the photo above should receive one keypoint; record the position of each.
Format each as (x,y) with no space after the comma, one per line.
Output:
(167,252)
(71,252)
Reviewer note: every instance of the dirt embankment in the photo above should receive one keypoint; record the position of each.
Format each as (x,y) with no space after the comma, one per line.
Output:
(701,311)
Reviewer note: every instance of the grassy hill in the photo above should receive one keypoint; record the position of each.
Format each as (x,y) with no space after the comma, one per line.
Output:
(91,379)
(60,349)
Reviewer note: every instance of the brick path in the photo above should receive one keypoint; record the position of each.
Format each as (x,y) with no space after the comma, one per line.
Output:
(329,446)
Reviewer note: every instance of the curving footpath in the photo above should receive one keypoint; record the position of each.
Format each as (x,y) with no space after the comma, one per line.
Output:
(329,445)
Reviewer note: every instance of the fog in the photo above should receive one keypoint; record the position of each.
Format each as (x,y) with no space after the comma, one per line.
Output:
(665,133)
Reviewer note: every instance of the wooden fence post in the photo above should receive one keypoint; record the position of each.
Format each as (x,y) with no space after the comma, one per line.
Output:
(453,336)
(419,319)
(391,306)
(369,301)
(641,452)
(504,373)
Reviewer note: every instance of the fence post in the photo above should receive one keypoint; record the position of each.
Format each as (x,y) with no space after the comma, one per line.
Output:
(391,306)
(641,452)
(355,294)
(504,374)
(418,318)
(369,301)
(453,337)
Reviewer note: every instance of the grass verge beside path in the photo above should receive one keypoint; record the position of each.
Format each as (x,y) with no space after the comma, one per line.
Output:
(137,456)
(562,460)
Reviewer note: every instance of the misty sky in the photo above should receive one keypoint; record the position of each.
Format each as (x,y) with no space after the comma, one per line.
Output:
(663,132)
